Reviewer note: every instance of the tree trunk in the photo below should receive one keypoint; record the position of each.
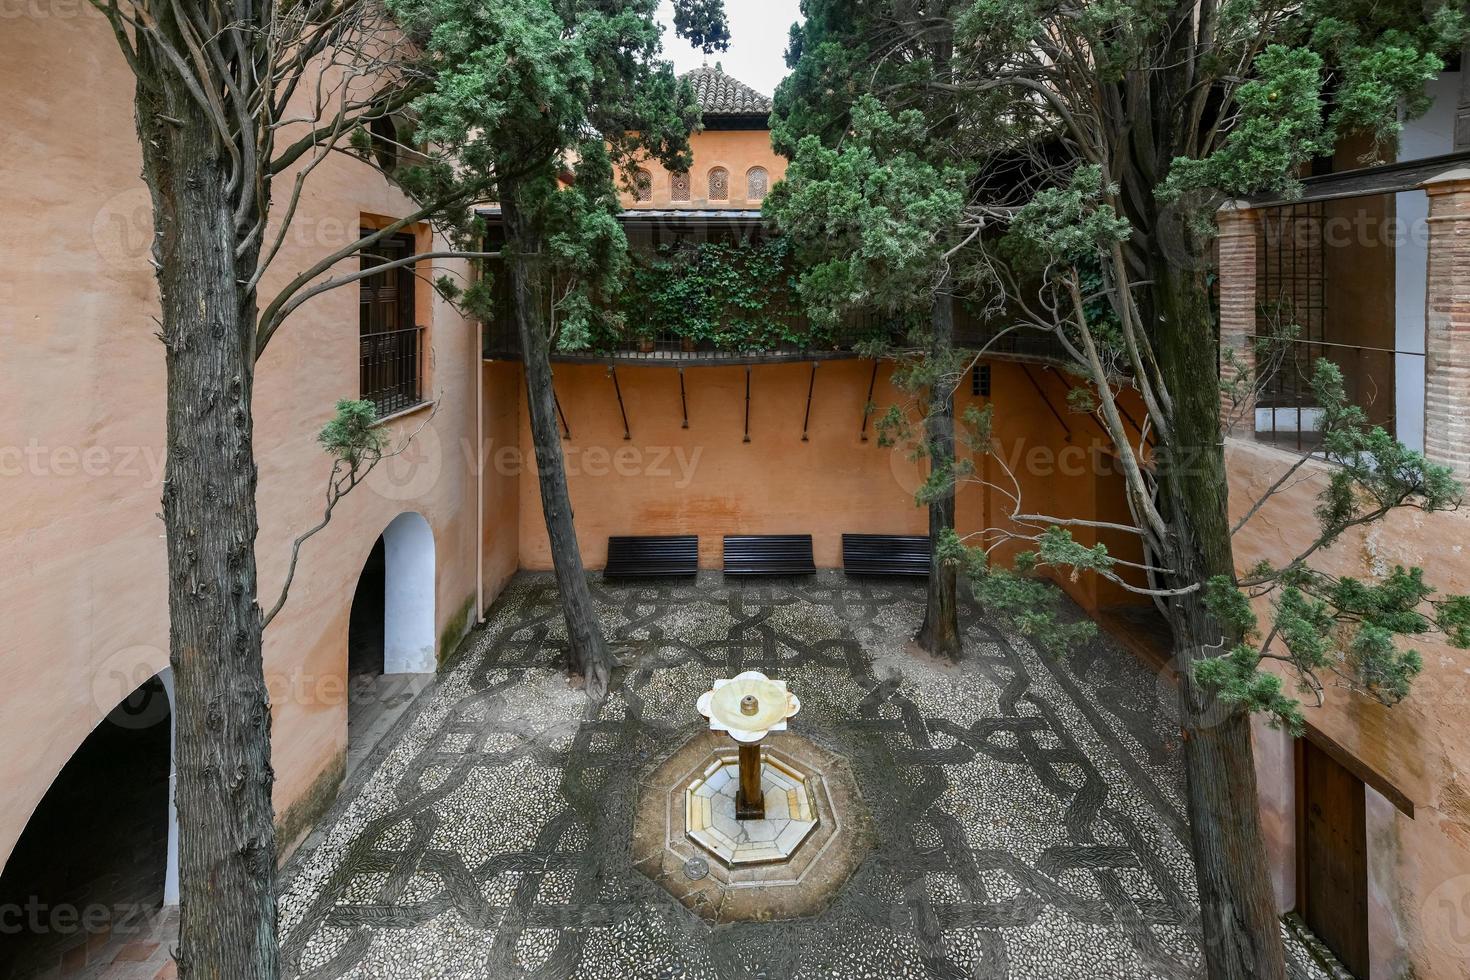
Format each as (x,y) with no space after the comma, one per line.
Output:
(1242,933)
(588,654)
(940,632)
(227,906)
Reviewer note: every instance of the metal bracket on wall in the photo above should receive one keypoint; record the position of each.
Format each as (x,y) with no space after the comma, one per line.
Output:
(806,419)
(1050,407)
(683,400)
(612,372)
(868,405)
(747,403)
(566,431)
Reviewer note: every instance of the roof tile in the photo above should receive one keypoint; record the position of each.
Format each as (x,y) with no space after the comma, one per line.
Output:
(721,95)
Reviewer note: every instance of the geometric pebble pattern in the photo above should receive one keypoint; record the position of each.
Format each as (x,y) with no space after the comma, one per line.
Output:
(1027,815)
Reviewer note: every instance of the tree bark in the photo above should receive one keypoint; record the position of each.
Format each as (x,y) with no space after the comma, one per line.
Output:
(227,906)
(588,654)
(940,632)
(1242,933)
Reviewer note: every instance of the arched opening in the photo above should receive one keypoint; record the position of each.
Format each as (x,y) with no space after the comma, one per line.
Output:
(88,875)
(390,632)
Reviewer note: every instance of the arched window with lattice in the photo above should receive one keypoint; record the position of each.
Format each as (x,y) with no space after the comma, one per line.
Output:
(643,185)
(679,186)
(719,184)
(757,182)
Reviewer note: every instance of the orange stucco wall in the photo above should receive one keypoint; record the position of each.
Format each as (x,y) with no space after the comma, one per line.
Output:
(735,150)
(706,480)
(1419,871)
(82,598)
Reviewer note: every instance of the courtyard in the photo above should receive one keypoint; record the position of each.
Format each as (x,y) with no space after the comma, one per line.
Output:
(1024,815)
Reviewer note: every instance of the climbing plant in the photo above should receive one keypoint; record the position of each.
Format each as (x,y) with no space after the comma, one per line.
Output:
(731,295)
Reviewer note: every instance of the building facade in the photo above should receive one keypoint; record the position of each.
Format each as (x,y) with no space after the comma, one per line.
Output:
(659,438)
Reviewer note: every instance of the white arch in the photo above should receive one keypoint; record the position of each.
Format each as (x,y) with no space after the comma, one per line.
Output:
(171,866)
(408,595)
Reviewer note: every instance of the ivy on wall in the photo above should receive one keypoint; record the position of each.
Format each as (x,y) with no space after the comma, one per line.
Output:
(722,295)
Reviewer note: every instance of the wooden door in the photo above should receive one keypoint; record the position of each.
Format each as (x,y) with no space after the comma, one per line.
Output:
(1333,879)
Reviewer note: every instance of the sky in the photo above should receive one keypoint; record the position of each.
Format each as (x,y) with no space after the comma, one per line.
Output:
(758,31)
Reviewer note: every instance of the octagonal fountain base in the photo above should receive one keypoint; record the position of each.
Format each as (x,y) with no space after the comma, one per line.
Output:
(790,864)
(710,820)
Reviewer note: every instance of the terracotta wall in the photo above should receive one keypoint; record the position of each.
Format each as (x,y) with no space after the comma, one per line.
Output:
(707,480)
(82,599)
(1419,867)
(735,150)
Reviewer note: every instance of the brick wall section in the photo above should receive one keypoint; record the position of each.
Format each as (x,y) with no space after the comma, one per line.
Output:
(1447,318)
(1239,227)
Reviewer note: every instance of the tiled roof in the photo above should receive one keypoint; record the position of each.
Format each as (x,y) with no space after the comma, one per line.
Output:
(721,95)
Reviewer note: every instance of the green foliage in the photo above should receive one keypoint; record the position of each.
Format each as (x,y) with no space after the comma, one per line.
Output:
(703,23)
(1236,678)
(1055,547)
(527,91)
(871,218)
(737,296)
(1280,126)
(1068,224)
(352,434)
(1031,606)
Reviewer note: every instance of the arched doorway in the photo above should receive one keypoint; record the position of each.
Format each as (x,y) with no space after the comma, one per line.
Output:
(91,872)
(390,633)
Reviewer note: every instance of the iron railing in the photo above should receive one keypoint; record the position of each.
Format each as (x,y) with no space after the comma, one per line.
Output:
(1287,411)
(391,369)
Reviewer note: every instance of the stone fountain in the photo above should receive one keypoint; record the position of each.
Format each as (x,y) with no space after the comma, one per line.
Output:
(747,820)
(752,807)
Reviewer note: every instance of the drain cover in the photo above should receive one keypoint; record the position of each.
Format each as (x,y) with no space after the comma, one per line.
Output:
(696,868)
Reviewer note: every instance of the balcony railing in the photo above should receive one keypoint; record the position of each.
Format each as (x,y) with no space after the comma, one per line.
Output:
(391,369)
(1287,413)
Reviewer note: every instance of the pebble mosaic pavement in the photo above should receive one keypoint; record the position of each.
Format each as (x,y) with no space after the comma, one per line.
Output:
(1027,811)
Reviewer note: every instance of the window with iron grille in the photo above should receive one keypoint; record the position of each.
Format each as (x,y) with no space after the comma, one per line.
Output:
(719,184)
(643,184)
(980,380)
(679,186)
(756,183)
(390,353)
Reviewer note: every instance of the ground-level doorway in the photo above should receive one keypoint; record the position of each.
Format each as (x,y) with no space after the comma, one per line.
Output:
(1333,857)
(87,876)
(390,633)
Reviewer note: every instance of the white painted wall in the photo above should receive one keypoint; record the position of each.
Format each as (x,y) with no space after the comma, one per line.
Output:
(171,868)
(1387,944)
(408,596)
(1431,134)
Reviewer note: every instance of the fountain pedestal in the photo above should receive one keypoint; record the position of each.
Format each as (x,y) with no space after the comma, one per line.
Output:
(750,802)
(747,707)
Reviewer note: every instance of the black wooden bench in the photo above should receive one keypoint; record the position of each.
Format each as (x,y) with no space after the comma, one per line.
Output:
(886,554)
(769,554)
(650,556)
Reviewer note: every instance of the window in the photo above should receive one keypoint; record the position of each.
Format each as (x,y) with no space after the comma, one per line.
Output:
(385,142)
(679,186)
(719,184)
(980,380)
(756,184)
(389,343)
(643,185)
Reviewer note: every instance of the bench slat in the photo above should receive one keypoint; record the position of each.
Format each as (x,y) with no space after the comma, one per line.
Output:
(651,556)
(769,554)
(886,554)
